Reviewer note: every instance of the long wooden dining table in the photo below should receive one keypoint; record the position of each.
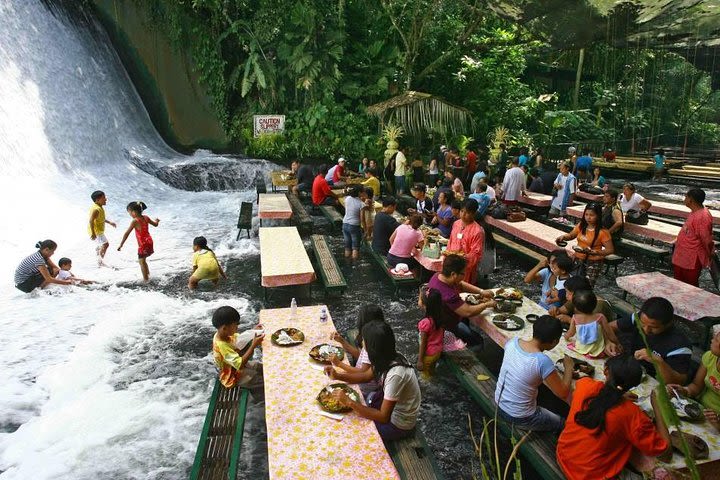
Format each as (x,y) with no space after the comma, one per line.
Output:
(302,443)
(703,429)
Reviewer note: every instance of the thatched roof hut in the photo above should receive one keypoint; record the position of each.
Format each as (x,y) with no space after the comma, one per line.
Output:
(420,113)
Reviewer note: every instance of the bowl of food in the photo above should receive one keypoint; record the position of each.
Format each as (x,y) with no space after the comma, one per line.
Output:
(328,402)
(499,298)
(322,353)
(561,243)
(287,337)
(531,317)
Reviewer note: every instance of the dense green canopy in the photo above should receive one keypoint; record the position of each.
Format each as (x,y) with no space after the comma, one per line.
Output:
(598,72)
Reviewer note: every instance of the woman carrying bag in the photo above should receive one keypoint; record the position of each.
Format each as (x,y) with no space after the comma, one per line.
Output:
(594,243)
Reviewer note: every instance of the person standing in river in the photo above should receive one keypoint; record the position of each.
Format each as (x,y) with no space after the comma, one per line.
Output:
(96,227)
(694,245)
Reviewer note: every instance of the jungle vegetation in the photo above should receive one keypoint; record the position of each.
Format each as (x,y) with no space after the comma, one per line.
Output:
(551,72)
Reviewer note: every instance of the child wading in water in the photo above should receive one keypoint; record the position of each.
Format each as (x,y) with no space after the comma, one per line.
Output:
(205,264)
(433,337)
(96,227)
(594,337)
(140,223)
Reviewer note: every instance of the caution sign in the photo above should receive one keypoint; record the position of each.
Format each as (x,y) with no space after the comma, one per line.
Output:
(263,124)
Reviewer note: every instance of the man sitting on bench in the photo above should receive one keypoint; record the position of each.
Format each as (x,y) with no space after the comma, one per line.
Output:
(321,192)
(384,226)
(304,178)
(450,282)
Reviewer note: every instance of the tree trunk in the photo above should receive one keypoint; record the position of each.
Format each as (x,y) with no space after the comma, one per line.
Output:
(578,75)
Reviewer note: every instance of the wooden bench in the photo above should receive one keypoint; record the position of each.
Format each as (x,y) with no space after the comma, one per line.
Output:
(330,274)
(302,217)
(332,215)
(613,260)
(515,247)
(538,449)
(398,281)
(413,458)
(218,450)
(621,307)
(650,250)
(244,219)
(260,186)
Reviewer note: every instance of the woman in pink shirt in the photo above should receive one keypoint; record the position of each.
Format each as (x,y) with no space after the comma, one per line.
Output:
(469,238)
(404,240)
(694,244)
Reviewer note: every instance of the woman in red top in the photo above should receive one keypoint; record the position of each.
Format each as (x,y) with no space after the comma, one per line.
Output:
(694,244)
(140,224)
(604,427)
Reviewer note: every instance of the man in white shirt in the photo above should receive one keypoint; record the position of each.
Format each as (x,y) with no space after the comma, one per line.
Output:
(565,186)
(513,184)
(400,167)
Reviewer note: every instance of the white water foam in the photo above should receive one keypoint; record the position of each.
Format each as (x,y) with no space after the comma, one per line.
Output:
(96,382)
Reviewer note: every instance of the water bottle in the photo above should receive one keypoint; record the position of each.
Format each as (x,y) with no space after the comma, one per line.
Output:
(293,309)
(323,315)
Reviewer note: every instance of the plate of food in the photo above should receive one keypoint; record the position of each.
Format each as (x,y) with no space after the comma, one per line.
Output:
(581,368)
(504,306)
(687,408)
(329,404)
(509,293)
(508,322)
(532,317)
(321,353)
(287,337)
(453,252)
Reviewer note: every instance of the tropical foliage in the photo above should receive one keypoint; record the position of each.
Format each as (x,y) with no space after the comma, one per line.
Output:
(323,63)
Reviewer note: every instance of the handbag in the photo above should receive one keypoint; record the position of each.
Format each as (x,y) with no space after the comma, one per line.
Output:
(580,266)
(637,217)
(715,269)
(499,211)
(516,216)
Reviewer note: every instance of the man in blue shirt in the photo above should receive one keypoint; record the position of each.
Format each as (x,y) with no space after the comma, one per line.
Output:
(659,164)
(523,158)
(583,165)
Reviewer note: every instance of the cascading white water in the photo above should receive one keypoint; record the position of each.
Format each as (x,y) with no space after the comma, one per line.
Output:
(95,382)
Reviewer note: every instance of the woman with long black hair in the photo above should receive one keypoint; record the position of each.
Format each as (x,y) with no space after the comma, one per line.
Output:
(594,243)
(604,427)
(395,405)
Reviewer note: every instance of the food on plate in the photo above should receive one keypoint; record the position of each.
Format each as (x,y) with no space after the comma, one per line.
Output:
(453,252)
(329,403)
(687,408)
(510,293)
(321,353)
(581,368)
(508,322)
(287,336)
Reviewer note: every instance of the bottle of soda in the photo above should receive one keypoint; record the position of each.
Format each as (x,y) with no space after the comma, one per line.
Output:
(323,314)
(293,310)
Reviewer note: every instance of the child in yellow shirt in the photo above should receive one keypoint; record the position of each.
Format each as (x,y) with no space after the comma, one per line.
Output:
(230,358)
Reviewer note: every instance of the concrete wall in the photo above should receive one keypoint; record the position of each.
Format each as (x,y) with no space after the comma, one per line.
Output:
(170,89)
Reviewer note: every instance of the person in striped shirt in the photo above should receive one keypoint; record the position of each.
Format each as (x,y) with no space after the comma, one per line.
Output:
(38,270)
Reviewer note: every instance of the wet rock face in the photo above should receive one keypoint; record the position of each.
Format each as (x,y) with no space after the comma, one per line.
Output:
(208,173)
